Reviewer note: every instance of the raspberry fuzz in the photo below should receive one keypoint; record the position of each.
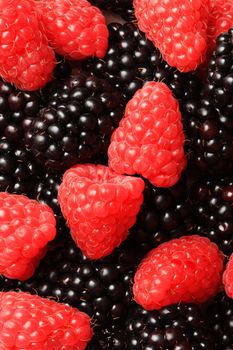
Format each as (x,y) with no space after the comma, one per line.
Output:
(177,28)
(30,322)
(26,60)
(149,140)
(99,206)
(187,269)
(25,229)
(75,29)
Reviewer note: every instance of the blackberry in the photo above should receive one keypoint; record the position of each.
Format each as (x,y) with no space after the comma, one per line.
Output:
(108,338)
(77,124)
(100,288)
(46,191)
(212,201)
(19,170)
(209,122)
(165,214)
(176,327)
(122,7)
(132,60)
(221,319)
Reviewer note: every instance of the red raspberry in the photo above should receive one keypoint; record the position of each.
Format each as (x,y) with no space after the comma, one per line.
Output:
(26,60)
(26,226)
(149,140)
(76,29)
(228,278)
(177,28)
(220,20)
(29,322)
(99,206)
(187,269)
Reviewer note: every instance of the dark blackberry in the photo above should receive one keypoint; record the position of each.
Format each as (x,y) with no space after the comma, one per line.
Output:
(108,338)
(77,124)
(176,327)
(212,201)
(132,60)
(165,214)
(46,191)
(122,7)
(220,314)
(19,170)
(100,288)
(209,121)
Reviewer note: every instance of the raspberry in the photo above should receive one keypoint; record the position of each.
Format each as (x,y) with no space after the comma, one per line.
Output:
(149,140)
(177,28)
(220,20)
(187,269)
(26,60)
(31,322)
(99,206)
(228,278)
(76,29)
(25,228)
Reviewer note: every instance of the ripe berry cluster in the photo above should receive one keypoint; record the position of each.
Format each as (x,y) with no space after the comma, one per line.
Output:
(116,188)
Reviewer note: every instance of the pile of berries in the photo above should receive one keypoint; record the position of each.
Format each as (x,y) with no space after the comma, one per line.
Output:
(116,186)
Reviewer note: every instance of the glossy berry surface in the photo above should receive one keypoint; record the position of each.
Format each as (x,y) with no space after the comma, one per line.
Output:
(150,140)
(26,227)
(74,29)
(166,24)
(209,120)
(132,60)
(30,322)
(100,206)
(166,213)
(212,205)
(188,269)
(220,314)
(122,7)
(100,288)
(176,327)
(228,278)
(26,60)
(77,124)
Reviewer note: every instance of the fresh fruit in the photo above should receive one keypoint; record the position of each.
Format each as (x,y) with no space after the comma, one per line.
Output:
(188,269)
(212,207)
(45,191)
(149,140)
(101,288)
(99,206)
(132,60)
(220,313)
(176,327)
(26,60)
(25,229)
(208,120)
(30,322)
(166,213)
(75,29)
(77,124)
(177,28)
(220,20)
(122,7)
(228,278)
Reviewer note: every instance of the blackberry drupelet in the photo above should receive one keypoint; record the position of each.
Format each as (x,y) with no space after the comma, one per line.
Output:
(165,214)
(77,124)
(220,313)
(209,122)
(19,170)
(122,7)
(212,205)
(108,338)
(46,191)
(176,327)
(100,288)
(132,60)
